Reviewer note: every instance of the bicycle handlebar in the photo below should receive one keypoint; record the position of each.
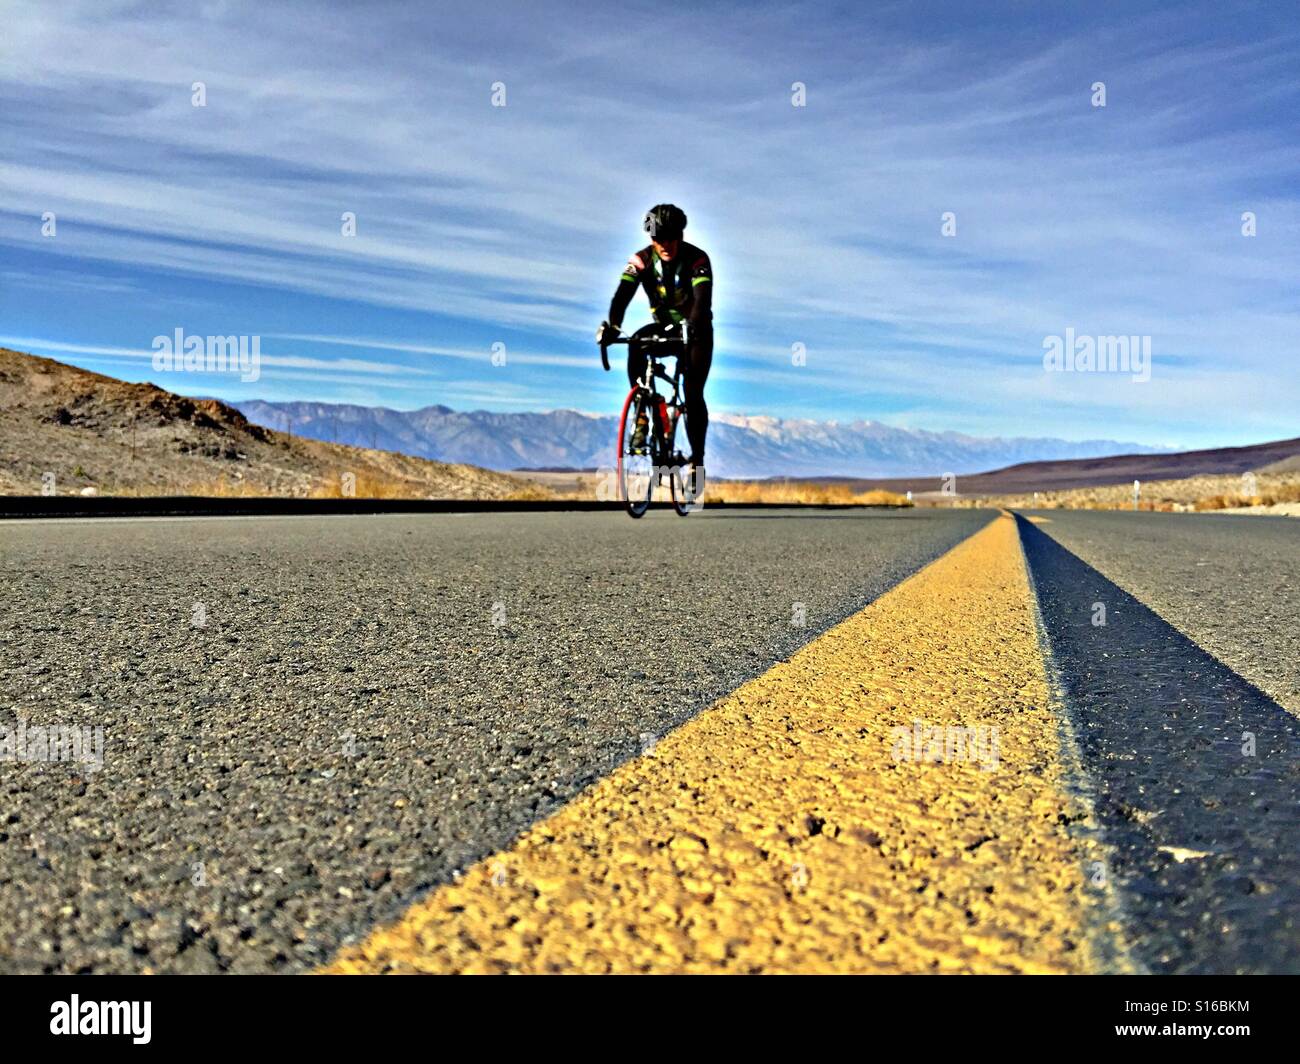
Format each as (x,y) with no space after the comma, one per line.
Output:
(605,345)
(644,340)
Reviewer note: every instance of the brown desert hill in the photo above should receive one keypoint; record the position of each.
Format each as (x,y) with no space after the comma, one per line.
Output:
(88,431)
(1067,474)
(1290,464)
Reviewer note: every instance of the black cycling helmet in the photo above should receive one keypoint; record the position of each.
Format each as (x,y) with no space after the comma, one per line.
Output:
(665,222)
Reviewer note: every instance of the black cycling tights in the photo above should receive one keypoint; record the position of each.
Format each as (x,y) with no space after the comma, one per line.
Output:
(695,371)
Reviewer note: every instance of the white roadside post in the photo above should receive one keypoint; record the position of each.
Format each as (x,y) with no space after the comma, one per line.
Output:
(1137,492)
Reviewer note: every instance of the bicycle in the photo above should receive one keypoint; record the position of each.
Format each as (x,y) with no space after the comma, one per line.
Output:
(640,469)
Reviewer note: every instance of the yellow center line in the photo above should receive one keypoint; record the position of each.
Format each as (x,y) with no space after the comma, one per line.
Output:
(891,799)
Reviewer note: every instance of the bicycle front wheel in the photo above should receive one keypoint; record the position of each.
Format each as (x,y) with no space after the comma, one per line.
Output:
(635,464)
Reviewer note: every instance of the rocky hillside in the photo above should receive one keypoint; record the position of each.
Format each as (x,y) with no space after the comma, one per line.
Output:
(85,433)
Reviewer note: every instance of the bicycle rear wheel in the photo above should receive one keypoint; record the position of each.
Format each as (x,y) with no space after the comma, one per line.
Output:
(681,488)
(635,470)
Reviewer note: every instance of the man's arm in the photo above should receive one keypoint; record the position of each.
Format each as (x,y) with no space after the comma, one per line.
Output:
(627,286)
(702,290)
(622,297)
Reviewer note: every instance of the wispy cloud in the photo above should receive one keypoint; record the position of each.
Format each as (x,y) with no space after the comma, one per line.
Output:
(479,224)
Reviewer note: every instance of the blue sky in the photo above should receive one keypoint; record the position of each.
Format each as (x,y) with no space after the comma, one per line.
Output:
(479,225)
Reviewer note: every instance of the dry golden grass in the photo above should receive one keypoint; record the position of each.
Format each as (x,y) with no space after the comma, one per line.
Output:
(219,487)
(880,497)
(367,486)
(601,485)
(1199,493)
(530,494)
(797,493)
(1282,492)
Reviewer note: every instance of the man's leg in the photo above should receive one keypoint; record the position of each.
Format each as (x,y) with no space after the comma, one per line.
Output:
(636,354)
(636,363)
(699,357)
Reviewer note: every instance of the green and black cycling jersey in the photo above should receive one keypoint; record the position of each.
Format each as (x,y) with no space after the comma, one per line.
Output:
(679,290)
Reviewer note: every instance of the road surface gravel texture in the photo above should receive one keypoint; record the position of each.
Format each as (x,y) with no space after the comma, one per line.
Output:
(309,722)
(805,823)
(1194,772)
(1230,583)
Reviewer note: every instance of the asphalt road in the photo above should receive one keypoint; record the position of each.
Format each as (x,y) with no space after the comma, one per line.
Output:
(791,828)
(307,722)
(1193,772)
(1230,583)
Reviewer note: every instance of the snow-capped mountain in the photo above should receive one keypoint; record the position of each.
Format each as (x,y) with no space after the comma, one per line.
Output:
(757,446)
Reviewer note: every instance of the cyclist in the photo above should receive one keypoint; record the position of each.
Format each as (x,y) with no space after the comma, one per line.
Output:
(678,281)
